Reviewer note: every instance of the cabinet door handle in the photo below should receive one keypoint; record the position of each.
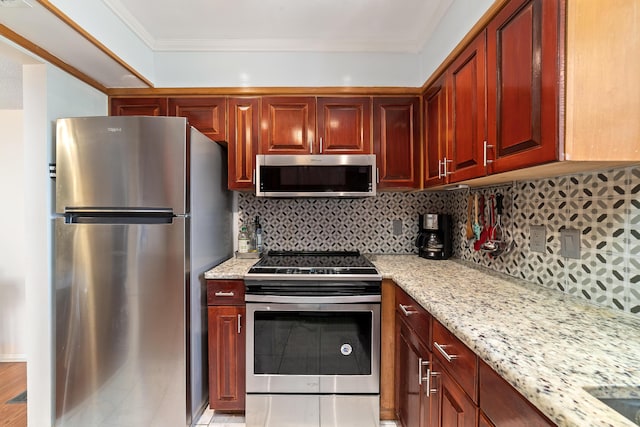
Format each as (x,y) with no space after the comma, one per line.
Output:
(441,349)
(253,179)
(404,310)
(377,175)
(320,145)
(440,169)
(486,161)
(433,390)
(224,294)
(311,146)
(421,378)
(239,323)
(446,171)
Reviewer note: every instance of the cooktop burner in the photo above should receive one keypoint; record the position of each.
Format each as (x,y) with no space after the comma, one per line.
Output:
(317,263)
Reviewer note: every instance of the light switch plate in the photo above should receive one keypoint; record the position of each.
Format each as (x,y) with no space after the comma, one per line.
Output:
(397,227)
(570,243)
(538,238)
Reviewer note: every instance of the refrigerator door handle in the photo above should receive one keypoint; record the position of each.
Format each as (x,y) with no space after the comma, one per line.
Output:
(81,210)
(111,217)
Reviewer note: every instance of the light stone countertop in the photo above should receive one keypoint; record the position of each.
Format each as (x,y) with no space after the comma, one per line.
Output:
(550,346)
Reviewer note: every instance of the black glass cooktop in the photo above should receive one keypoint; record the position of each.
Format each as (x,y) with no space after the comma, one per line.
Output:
(313,262)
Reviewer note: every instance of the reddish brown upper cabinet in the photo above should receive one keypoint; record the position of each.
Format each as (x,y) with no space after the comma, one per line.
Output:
(139,106)
(344,125)
(243,142)
(435,131)
(466,84)
(396,141)
(226,336)
(523,93)
(288,125)
(208,115)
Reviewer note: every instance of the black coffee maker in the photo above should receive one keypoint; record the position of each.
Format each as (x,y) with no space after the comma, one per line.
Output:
(435,239)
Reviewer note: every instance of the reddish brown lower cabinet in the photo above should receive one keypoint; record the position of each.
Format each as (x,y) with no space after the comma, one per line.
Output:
(413,362)
(450,405)
(504,406)
(226,345)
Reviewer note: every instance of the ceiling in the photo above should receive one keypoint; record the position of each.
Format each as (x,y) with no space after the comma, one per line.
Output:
(380,26)
(282,25)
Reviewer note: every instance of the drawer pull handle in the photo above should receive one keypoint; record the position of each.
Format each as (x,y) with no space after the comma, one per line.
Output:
(441,349)
(406,312)
(224,294)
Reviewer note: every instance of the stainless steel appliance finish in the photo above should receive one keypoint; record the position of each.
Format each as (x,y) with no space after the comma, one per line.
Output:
(303,410)
(325,175)
(136,230)
(307,382)
(313,340)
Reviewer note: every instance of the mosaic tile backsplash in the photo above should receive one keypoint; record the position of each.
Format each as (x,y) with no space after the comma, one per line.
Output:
(604,206)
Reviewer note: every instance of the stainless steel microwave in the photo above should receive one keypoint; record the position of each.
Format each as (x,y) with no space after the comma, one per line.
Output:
(321,175)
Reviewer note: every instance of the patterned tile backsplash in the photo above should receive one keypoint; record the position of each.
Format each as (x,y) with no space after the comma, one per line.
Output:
(603,206)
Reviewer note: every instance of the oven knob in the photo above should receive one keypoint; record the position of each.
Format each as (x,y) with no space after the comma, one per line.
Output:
(346,349)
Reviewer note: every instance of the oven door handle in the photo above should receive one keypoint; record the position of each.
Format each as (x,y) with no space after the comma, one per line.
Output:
(312,299)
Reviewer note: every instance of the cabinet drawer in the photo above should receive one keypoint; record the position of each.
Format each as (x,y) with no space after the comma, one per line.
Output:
(413,315)
(225,292)
(457,358)
(504,405)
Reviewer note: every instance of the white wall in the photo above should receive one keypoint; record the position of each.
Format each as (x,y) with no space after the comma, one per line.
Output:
(12,271)
(49,94)
(239,69)
(454,25)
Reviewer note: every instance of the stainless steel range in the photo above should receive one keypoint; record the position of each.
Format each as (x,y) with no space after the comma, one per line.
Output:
(313,340)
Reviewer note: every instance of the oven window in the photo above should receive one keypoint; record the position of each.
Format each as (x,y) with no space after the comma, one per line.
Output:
(312,343)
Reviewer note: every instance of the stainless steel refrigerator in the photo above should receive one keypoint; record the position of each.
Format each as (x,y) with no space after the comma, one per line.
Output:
(142,211)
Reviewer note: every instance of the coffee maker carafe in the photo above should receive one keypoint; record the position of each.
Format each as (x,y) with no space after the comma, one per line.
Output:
(434,239)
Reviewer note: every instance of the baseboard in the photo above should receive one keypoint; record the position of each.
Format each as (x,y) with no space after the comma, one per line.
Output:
(13,357)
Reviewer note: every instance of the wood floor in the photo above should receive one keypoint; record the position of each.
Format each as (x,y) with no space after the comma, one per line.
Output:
(13,381)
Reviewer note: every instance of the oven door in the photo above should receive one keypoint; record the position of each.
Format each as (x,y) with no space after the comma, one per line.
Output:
(313,347)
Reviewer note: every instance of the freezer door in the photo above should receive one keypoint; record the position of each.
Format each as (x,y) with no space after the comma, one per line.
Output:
(120,324)
(121,163)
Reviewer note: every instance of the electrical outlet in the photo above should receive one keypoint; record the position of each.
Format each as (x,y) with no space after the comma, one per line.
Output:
(570,243)
(538,238)
(397,227)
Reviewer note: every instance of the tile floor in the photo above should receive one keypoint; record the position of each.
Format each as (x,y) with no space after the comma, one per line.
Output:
(211,419)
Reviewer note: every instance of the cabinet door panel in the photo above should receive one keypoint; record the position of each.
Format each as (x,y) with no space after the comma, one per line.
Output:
(396,141)
(138,106)
(243,141)
(523,89)
(344,124)
(208,115)
(226,357)
(408,388)
(466,87)
(435,124)
(451,406)
(288,125)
